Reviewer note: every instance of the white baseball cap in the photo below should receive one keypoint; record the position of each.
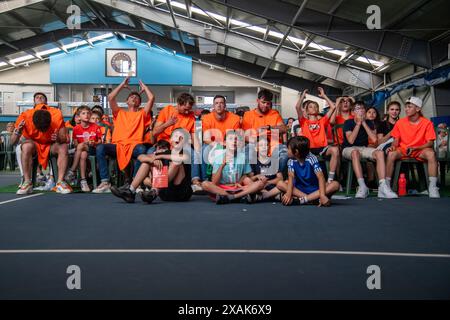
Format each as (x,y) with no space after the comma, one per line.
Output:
(416,101)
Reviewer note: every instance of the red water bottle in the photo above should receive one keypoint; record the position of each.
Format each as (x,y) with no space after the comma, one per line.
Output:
(402,185)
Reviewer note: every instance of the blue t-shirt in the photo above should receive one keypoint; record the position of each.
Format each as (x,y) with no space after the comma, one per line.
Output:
(232,172)
(362,139)
(305,178)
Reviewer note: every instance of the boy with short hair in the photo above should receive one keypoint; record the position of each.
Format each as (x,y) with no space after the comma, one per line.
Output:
(414,137)
(306,182)
(230,169)
(85,136)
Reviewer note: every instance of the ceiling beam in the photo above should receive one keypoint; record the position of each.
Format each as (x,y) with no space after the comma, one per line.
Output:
(95,12)
(289,57)
(180,36)
(13,5)
(286,34)
(352,33)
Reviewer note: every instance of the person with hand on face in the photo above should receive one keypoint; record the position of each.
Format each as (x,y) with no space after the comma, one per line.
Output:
(414,139)
(128,135)
(344,112)
(40,131)
(313,126)
(306,182)
(356,140)
(86,136)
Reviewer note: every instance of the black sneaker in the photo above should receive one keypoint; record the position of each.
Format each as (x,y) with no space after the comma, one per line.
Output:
(253,198)
(222,199)
(123,193)
(149,196)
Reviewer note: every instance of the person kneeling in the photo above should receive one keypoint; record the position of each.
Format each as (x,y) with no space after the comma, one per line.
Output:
(306,182)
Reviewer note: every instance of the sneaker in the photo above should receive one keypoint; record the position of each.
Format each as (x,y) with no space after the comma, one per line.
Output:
(70,177)
(139,190)
(196,188)
(222,199)
(149,195)
(63,187)
(84,186)
(385,192)
(40,178)
(253,198)
(49,186)
(124,194)
(433,192)
(25,188)
(362,193)
(104,187)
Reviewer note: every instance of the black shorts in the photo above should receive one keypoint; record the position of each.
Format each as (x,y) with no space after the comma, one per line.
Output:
(177,193)
(319,151)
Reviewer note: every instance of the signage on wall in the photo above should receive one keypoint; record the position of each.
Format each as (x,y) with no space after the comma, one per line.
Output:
(121,62)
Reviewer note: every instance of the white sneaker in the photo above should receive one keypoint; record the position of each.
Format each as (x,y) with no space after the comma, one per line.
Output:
(385,192)
(139,190)
(362,193)
(433,192)
(25,188)
(196,188)
(49,185)
(84,186)
(104,187)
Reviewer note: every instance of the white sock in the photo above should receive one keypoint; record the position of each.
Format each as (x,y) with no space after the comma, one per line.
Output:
(388,182)
(132,189)
(433,181)
(381,182)
(303,200)
(331,176)
(361,183)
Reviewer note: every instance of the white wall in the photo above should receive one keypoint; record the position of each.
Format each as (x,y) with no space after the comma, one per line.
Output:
(289,99)
(36,73)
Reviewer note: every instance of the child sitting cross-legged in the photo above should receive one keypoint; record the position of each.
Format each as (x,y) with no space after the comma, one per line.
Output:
(266,171)
(306,182)
(230,176)
(86,136)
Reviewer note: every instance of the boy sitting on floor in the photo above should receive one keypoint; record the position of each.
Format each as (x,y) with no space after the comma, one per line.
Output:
(230,179)
(306,182)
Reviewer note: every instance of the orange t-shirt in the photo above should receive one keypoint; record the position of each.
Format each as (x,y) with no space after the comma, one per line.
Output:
(129,128)
(43,140)
(340,133)
(187,122)
(253,120)
(413,135)
(315,131)
(231,122)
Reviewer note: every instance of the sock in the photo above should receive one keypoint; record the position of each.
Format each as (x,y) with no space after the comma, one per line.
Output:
(388,182)
(303,200)
(230,196)
(361,183)
(433,181)
(132,189)
(331,176)
(381,182)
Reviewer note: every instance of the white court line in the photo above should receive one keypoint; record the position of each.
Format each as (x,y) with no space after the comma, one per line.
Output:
(250,251)
(21,198)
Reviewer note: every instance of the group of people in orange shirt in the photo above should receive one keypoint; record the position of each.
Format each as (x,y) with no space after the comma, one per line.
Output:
(229,157)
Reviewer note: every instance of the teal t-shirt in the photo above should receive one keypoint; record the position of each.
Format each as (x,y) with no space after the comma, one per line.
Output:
(233,171)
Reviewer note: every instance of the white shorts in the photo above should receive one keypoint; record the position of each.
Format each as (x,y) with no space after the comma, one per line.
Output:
(366,152)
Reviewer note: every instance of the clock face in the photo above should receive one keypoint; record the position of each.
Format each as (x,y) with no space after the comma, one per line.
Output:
(121,62)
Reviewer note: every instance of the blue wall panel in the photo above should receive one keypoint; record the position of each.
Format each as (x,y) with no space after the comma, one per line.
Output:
(86,65)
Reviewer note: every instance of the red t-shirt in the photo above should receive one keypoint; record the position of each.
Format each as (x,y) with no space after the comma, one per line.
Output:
(315,131)
(92,133)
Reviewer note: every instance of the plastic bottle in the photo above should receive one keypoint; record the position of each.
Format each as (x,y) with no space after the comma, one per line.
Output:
(402,185)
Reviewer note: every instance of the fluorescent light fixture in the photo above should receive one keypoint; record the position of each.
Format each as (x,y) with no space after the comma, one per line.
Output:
(102,37)
(46,52)
(370,61)
(21,59)
(75,44)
